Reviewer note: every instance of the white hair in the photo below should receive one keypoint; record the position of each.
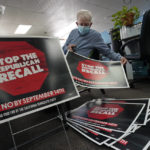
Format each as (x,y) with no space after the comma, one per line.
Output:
(84,14)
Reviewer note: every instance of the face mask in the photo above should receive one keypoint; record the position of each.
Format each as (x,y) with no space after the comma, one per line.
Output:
(83,29)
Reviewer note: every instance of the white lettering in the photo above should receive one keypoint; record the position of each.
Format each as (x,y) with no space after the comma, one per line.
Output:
(18,73)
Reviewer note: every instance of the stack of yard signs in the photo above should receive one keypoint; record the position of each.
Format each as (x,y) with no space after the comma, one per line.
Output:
(120,124)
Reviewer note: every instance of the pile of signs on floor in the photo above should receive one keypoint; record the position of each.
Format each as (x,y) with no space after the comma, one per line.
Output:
(119,124)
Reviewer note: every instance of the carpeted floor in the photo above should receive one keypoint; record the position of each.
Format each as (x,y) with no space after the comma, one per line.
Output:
(45,136)
(70,139)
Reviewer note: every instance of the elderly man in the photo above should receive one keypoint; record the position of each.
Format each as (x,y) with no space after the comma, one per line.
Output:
(83,40)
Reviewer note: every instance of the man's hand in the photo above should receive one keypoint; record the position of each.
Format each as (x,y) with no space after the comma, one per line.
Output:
(123,60)
(70,47)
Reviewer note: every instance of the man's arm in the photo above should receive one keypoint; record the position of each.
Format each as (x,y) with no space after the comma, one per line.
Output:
(105,50)
(68,46)
(65,47)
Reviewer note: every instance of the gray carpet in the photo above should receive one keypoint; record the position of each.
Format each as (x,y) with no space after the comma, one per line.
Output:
(70,139)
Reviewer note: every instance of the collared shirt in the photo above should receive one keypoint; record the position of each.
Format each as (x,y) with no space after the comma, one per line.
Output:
(86,43)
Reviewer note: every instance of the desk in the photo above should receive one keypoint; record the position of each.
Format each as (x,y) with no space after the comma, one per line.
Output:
(132,51)
(135,68)
(130,32)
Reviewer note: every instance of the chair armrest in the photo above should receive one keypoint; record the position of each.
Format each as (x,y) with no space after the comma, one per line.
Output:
(126,44)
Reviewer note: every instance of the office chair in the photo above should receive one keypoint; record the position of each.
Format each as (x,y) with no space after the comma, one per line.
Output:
(143,42)
(95,55)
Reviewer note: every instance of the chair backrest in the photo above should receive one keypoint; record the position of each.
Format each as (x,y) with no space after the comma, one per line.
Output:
(145,36)
(94,54)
